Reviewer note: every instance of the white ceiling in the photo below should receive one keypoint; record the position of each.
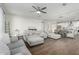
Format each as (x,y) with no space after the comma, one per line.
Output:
(55,11)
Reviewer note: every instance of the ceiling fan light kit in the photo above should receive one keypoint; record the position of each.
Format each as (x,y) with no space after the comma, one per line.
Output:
(38,12)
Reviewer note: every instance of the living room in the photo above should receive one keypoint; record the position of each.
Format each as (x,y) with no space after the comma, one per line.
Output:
(39,28)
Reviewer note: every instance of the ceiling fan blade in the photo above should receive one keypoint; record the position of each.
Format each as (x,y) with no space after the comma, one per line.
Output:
(43,11)
(34,7)
(43,8)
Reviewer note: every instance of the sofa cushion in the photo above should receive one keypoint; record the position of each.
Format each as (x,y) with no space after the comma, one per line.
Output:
(5,38)
(4,50)
(34,38)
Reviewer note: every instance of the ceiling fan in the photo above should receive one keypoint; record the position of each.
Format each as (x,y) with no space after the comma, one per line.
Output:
(39,10)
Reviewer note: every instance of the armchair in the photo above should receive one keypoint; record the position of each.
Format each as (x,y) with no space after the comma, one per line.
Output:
(43,35)
(70,35)
(54,36)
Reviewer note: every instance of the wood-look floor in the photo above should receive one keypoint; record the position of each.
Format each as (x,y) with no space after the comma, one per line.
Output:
(62,46)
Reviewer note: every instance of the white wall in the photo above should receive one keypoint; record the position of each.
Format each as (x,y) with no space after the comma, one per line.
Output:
(2,23)
(22,23)
(51,26)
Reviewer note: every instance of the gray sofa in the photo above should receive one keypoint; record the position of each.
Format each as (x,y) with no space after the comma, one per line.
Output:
(13,46)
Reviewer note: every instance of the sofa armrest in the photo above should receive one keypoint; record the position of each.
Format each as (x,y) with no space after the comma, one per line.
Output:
(16,44)
(24,50)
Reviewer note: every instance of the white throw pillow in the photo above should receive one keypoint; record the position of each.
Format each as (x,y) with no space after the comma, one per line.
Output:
(4,50)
